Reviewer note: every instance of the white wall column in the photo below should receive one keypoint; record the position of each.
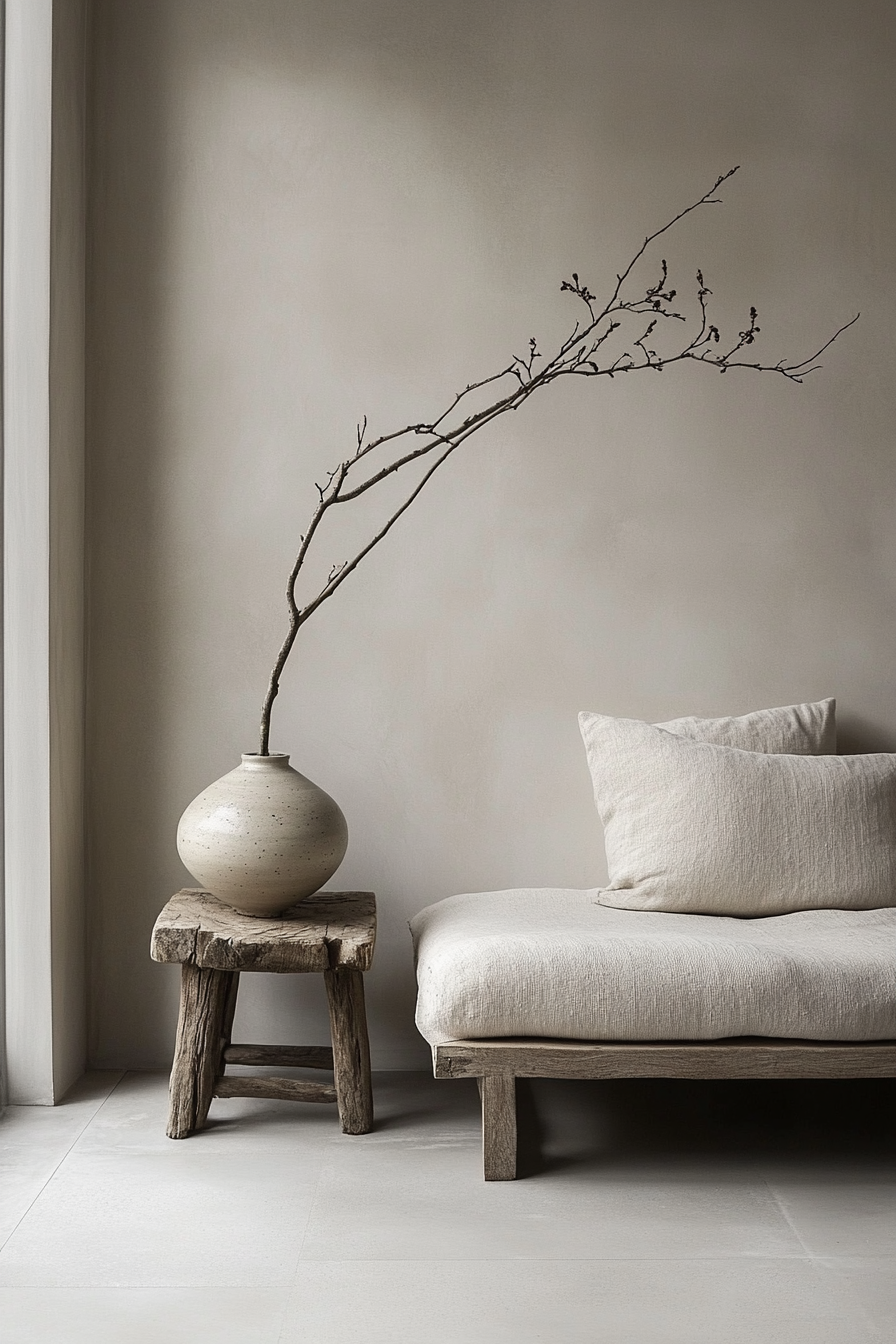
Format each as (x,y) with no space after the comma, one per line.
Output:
(43,475)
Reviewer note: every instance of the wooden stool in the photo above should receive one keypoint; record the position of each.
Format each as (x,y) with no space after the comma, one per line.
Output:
(332,933)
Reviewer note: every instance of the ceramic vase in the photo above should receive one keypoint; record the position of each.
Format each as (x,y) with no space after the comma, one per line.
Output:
(263,836)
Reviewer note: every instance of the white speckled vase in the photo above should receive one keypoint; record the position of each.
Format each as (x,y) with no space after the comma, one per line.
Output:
(262,836)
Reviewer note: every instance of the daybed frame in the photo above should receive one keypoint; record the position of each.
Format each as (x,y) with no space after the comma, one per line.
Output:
(496,1064)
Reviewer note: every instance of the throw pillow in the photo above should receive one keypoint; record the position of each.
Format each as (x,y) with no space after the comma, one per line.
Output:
(696,828)
(807,730)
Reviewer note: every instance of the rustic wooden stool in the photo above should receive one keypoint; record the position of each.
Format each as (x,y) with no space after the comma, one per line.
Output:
(333,933)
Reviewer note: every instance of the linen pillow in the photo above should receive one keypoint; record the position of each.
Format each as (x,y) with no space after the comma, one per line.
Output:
(696,828)
(808,730)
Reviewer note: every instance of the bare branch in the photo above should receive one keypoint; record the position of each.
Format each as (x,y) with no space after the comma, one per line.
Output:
(581,354)
(347,567)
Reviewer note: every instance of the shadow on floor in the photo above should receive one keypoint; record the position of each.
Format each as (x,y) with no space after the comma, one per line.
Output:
(795,1122)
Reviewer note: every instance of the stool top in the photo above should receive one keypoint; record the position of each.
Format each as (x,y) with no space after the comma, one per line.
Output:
(329,929)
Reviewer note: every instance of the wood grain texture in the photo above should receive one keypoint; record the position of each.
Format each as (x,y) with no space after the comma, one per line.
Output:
(277,1089)
(284,1056)
(204,1001)
(329,929)
(738,1057)
(498,1093)
(351,1051)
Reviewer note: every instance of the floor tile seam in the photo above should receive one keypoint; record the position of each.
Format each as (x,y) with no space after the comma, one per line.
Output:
(742,1257)
(289,1286)
(285,1289)
(558,1259)
(847,1262)
(78,1133)
(289,1290)
(782,1209)
(280,1285)
(311,1207)
(107,1098)
(68,1151)
(284,1318)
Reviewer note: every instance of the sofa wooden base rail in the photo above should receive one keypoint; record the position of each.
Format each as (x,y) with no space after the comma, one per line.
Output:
(496,1064)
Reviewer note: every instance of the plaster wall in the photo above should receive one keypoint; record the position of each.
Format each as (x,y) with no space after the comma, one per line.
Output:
(306,213)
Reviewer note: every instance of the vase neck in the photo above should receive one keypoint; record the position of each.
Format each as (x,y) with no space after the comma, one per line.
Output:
(277,760)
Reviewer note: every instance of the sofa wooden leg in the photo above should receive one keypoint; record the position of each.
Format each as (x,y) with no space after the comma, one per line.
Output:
(498,1093)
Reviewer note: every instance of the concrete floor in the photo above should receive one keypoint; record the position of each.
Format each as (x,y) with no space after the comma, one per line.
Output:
(652,1213)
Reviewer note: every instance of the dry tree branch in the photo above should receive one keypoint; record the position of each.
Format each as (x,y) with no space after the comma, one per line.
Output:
(580,354)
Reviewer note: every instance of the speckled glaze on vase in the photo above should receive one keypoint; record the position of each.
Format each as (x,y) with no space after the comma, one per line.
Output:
(262,836)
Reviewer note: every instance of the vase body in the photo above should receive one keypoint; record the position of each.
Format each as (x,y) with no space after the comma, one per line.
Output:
(262,836)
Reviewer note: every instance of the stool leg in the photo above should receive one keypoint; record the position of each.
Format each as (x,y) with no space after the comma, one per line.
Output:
(229,1014)
(351,1050)
(204,1001)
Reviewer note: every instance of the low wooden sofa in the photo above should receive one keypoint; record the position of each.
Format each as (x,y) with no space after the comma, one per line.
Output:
(748,929)
(496,1064)
(498,971)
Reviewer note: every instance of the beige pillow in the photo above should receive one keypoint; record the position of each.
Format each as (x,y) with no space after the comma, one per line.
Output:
(701,829)
(806,730)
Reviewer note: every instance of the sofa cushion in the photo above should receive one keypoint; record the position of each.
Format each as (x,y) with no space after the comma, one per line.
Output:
(807,730)
(555,963)
(695,828)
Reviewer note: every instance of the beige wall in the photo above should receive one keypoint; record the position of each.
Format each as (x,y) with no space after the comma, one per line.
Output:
(307,212)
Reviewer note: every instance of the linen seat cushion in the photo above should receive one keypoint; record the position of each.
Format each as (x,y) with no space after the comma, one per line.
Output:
(555,963)
(695,828)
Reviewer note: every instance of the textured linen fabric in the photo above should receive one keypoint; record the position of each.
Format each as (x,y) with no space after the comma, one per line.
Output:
(806,730)
(556,963)
(695,828)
